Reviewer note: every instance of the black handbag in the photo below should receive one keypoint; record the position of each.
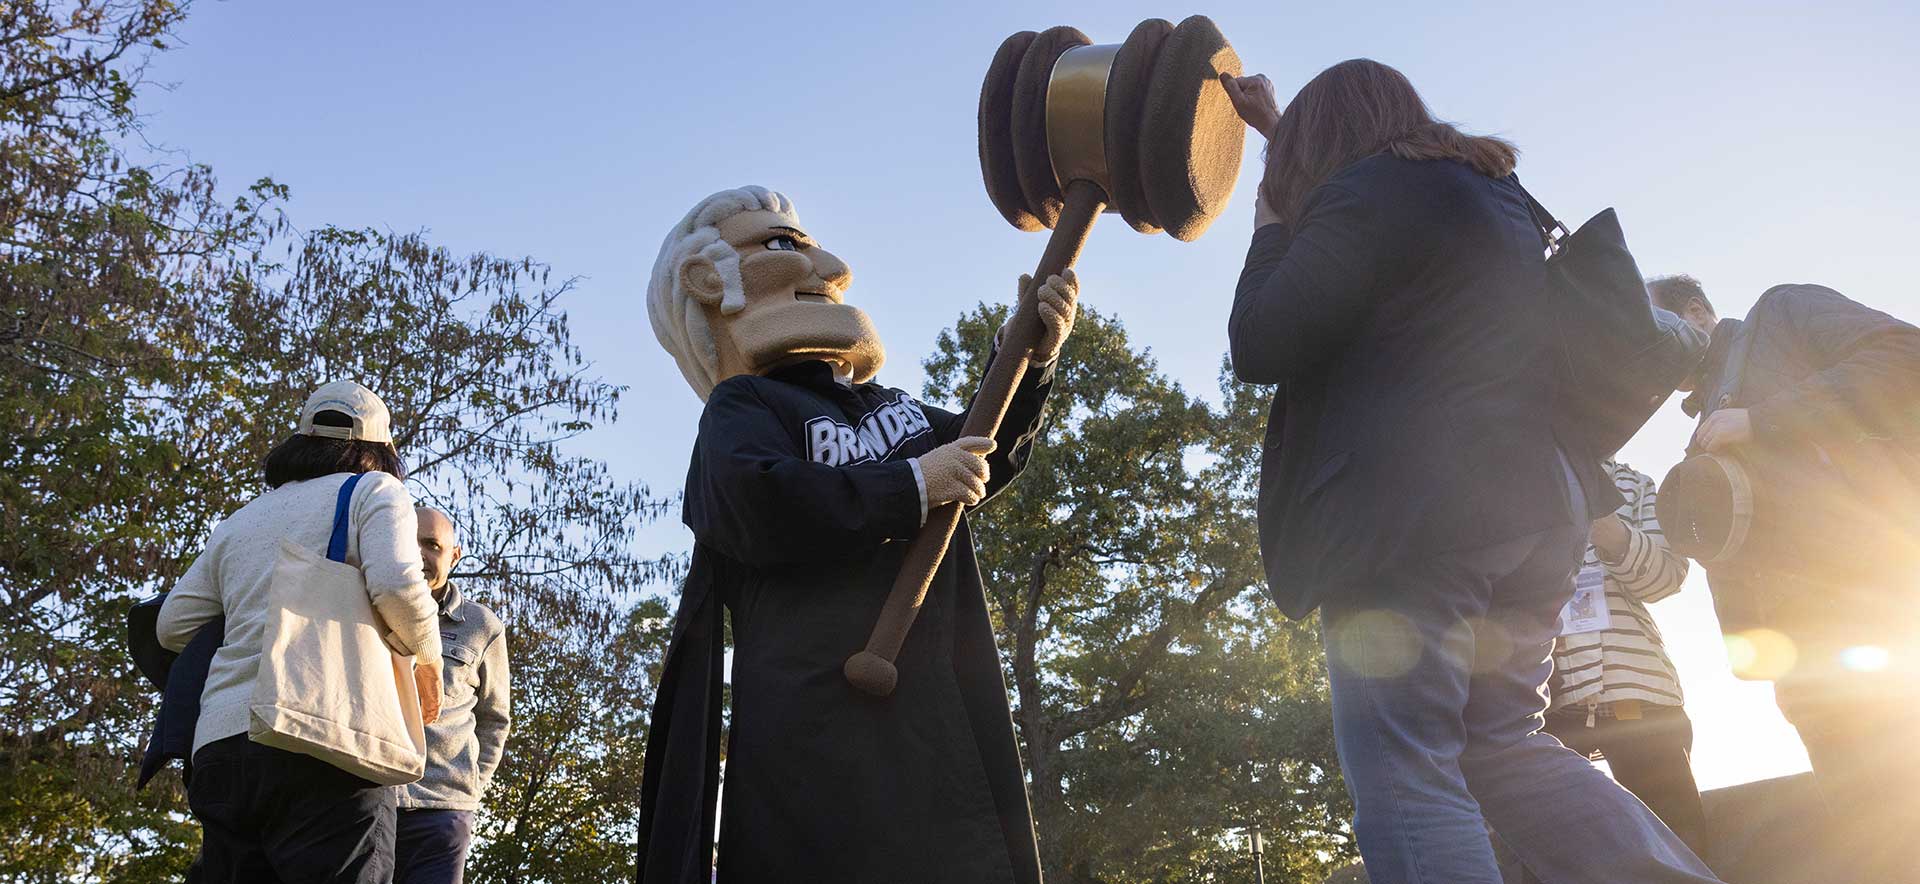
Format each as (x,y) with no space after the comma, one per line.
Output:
(1619,356)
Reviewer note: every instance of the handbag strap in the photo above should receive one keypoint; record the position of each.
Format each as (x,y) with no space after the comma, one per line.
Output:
(1553,234)
(1735,373)
(337,546)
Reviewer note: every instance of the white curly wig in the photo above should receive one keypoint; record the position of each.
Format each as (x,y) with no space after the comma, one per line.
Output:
(678,320)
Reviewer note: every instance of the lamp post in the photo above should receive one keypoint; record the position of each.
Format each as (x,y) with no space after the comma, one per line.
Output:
(1259,864)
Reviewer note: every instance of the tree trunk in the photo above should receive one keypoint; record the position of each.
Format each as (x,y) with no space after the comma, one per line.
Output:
(1049,810)
(1049,803)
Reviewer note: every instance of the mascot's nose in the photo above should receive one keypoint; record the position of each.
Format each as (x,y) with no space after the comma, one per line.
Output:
(832,270)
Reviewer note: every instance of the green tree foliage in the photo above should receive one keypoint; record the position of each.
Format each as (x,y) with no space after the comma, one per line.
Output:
(156,342)
(564,811)
(157,338)
(98,266)
(1162,704)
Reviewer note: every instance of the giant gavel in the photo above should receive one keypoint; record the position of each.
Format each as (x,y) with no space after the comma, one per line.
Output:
(1068,130)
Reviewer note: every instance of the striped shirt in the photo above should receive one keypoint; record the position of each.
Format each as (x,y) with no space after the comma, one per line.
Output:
(1627,660)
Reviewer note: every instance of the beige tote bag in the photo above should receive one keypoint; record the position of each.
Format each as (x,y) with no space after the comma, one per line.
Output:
(329,686)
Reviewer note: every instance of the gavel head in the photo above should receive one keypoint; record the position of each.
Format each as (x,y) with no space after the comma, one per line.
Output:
(1145,120)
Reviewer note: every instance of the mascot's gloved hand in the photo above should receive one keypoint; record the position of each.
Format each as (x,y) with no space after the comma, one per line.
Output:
(957,471)
(1059,299)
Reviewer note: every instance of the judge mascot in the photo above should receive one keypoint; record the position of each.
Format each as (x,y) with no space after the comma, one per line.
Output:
(807,482)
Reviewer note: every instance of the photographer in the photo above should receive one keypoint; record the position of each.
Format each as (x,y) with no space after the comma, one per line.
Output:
(1799,496)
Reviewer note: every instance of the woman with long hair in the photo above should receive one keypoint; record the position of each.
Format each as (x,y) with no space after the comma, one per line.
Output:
(269,814)
(1412,489)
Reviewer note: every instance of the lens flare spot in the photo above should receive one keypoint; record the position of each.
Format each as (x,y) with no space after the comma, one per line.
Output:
(1865,658)
(1740,652)
(1456,645)
(1493,646)
(1761,654)
(1477,645)
(1377,644)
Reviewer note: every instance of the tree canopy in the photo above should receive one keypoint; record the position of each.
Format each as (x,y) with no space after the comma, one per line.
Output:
(157,340)
(158,334)
(1162,704)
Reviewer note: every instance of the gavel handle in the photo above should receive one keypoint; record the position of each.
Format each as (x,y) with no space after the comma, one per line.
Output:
(872,670)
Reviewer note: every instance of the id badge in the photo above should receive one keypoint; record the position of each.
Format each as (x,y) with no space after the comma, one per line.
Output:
(1587,610)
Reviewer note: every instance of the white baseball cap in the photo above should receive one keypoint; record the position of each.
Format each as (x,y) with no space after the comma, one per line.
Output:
(370,420)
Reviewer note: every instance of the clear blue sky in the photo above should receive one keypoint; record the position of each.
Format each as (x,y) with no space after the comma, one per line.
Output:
(1748,144)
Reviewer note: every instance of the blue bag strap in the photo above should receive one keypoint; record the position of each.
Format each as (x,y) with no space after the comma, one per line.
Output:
(337,547)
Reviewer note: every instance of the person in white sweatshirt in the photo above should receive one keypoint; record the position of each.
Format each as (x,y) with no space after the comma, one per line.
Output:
(269,814)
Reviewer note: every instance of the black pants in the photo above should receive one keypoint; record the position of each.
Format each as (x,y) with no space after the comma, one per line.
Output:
(275,816)
(1649,757)
(431,846)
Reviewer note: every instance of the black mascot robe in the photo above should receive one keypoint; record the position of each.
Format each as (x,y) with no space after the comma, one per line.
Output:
(801,502)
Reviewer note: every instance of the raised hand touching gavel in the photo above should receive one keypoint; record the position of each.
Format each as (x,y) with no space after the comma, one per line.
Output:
(1068,130)
(1254,100)
(1058,300)
(957,472)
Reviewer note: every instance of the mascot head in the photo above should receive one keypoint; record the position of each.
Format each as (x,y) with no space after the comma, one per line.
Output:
(740,288)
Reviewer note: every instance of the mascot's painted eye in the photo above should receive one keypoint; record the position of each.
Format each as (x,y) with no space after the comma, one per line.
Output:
(783,243)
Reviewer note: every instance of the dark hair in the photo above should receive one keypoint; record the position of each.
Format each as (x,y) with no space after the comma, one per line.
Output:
(1351,111)
(304,457)
(1673,293)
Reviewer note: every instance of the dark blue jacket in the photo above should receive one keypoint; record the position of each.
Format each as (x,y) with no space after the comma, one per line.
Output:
(181,683)
(1405,324)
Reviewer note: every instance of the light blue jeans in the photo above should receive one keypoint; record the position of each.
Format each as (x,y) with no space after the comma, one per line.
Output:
(1439,683)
